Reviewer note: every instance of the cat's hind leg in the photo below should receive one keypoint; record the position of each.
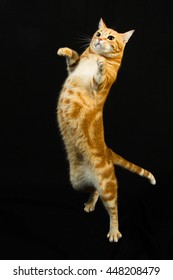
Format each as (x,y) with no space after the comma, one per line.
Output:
(108,193)
(109,199)
(80,178)
(90,204)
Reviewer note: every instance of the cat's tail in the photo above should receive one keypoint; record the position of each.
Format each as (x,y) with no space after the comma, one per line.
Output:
(118,160)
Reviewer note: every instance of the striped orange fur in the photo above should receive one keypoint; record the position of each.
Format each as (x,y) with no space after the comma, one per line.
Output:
(80,118)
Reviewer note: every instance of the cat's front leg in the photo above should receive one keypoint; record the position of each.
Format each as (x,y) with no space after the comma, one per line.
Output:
(101,71)
(70,55)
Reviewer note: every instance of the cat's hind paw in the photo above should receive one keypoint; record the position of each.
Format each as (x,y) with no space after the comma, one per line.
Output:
(65,52)
(114,235)
(89,207)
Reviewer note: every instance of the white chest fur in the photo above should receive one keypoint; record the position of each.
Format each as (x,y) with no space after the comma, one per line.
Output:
(85,70)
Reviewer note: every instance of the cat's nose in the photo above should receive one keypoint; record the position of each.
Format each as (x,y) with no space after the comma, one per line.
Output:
(100,39)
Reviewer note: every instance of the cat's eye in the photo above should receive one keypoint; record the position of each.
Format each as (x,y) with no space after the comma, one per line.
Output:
(98,34)
(111,38)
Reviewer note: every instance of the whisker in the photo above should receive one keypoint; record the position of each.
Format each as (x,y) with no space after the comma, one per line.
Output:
(85,37)
(84,46)
(84,40)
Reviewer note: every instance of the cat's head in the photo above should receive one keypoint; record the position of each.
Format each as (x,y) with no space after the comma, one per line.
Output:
(108,42)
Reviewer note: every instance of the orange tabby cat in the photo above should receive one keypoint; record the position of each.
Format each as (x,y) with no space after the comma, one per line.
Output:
(80,118)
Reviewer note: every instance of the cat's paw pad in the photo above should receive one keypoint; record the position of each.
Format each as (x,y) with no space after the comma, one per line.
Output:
(114,235)
(64,52)
(89,207)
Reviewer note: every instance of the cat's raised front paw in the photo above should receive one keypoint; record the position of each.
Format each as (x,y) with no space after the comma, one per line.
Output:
(65,52)
(114,235)
(101,65)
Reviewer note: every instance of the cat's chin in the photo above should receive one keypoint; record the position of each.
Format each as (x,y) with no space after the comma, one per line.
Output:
(97,48)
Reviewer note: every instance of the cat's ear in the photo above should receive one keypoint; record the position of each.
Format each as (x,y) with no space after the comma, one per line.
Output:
(126,36)
(102,24)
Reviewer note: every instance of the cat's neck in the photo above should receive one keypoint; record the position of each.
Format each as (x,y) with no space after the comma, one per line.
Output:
(114,58)
(113,63)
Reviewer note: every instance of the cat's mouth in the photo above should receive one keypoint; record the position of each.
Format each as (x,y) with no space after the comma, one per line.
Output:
(98,46)
(100,49)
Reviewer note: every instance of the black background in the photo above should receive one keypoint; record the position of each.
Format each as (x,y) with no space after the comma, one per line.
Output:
(41,216)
